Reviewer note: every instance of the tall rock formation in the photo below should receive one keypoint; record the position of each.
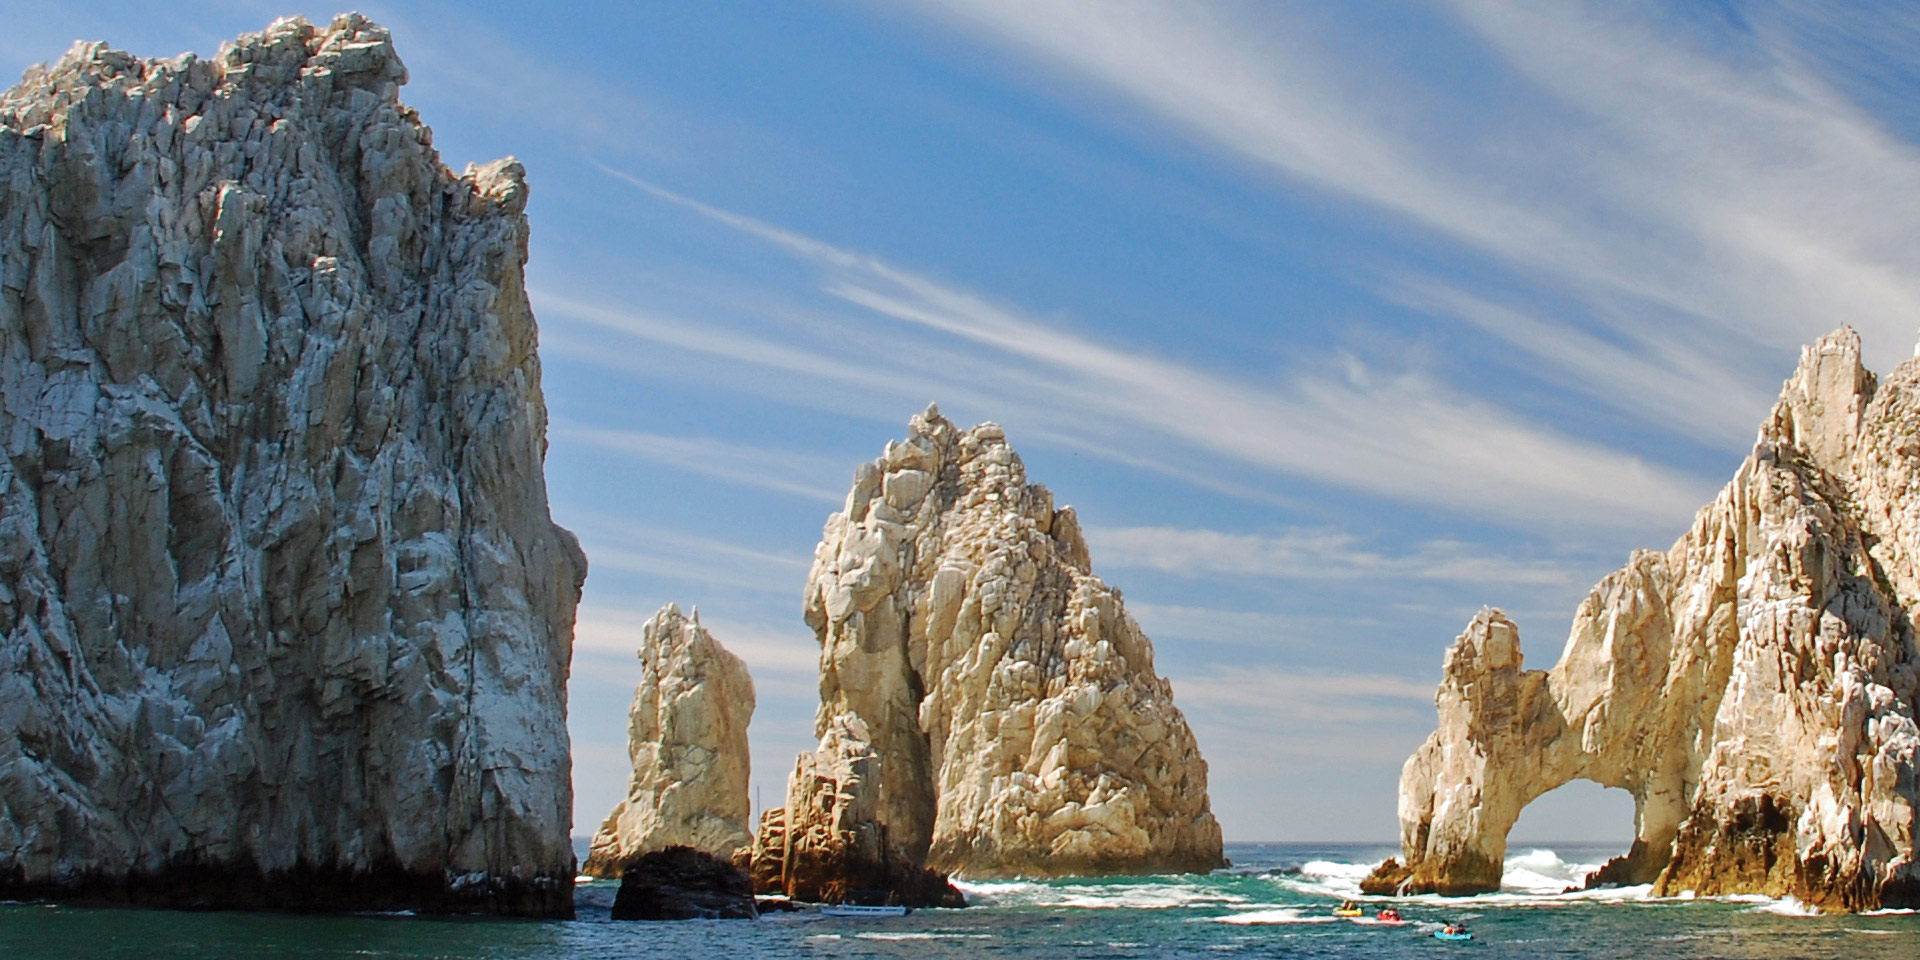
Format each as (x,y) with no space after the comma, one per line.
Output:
(687,735)
(1754,687)
(283,617)
(1009,704)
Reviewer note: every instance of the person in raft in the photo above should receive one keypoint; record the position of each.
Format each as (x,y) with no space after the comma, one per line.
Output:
(1389,915)
(1456,928)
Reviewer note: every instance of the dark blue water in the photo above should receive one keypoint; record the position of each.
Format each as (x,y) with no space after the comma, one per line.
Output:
(1275,902)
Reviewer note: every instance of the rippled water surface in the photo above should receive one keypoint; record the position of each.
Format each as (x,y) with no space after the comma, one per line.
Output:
(1275,902)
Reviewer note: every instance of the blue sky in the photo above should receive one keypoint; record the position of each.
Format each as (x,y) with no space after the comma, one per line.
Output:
(1334,321)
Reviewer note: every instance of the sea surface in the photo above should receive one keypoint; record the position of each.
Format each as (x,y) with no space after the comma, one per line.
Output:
(1275,901)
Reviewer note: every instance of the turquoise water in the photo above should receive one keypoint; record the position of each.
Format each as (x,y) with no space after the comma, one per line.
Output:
(1274,902)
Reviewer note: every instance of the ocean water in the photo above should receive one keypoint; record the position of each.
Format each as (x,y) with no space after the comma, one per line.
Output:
(1276,901)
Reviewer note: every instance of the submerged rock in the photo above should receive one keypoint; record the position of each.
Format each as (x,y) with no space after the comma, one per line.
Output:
(687,736)
(1753,688)
(681,883)
(1009,704)
(284,620)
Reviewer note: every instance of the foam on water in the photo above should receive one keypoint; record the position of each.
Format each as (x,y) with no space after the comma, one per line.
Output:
(1542,872)
(1100,896)
(924,936)
(1787,907)
(1273,915)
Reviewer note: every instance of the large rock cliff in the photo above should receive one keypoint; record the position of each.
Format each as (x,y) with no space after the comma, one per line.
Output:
(1010,703)
(1754,687)
(283,617)
(687,736)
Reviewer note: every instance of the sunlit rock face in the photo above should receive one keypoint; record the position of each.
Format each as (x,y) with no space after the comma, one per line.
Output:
(1753,687)
(687,737)
(283,618)
(1010,702)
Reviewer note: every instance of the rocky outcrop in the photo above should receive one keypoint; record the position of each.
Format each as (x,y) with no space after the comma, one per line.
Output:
(1011,705)
(681,883)
(283,617)
(687,735)
(1754,687)
(829,843)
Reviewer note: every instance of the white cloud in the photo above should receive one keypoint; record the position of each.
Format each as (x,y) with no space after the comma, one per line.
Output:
(1401,436)
(811,476)
(778,657)
(1274,715)
(1709,211)
(1308,554)
(685,558)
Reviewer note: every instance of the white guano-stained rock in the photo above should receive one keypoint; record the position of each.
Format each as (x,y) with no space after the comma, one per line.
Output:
(1012,703)
(284,620)
(1754,687)
(687,736)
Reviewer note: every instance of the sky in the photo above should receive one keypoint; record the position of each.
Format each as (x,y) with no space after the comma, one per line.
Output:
(1335,322)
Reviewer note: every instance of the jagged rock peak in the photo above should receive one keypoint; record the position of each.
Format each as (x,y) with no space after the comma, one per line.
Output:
(1011,701)
(284,620)
(687,737)
(1754,687)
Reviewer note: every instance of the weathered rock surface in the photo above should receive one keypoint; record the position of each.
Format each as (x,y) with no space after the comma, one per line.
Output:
(1011,705)
(681,883)
(829,842)
(283,617)
(1754,687)
(687,735)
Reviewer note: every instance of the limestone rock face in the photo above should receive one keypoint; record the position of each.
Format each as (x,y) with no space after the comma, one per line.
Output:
(1011,704)
(284,620)
(687,735)
(828,843)
(1754,687)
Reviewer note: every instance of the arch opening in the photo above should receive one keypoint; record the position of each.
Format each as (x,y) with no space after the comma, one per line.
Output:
(1566,836)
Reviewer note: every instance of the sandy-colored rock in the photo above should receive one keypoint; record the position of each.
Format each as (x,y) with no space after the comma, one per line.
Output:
(829,842)
(283,617)
(687,736)
(1754,687)
(1012,703)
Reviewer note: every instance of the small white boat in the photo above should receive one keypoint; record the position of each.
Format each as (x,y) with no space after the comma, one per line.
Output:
(859,910)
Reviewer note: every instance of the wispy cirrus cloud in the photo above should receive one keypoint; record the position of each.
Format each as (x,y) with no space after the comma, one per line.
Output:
(1403,435)
(684,558)
(795,473)
(1310,554)
(785,658)
(1691,212)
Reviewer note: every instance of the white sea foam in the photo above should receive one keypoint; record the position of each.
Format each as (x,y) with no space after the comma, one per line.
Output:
(1542,872)
(1888,912)
(1098,896)
(1273,915)
(1532,876)
(924,936)
(1788,907)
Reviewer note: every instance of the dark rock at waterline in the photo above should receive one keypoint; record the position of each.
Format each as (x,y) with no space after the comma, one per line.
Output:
(1642,864)
(681,883)
(1385,880)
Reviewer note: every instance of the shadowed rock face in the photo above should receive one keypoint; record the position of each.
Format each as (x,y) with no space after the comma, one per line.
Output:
(1754,687)
(1010,704)
(284,621)
(682,883)
(687,736)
